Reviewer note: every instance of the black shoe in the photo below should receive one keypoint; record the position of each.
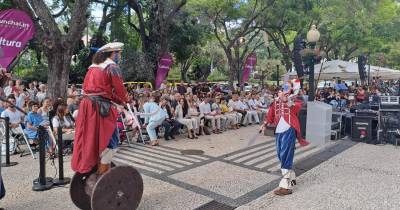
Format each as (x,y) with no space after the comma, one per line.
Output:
(172,137)
(167,138)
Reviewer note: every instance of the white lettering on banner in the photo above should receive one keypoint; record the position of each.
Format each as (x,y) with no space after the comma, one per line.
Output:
(164,67)
(10,43)
(19,24)
(166,59)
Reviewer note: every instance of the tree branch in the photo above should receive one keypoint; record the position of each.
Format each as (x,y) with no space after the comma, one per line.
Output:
(174,11)
(62,10)
(138,10)
(78,21)
(49,24)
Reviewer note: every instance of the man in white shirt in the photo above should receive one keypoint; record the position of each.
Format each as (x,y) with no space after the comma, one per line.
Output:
(14,116)
(253,111)
(205,110)
(238,107)
(250,114)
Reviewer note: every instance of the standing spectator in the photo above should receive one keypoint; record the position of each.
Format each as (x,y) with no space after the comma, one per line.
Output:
(189,90)
(9,89)
(181,88)
(195,89)
(32,91)
(217,88)
(18,84)
(71,90)
(175,100)
(72,103)
(163,85)
(41,95)
(20,98)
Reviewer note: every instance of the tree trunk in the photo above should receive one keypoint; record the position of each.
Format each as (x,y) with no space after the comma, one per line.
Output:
(184,69)
(287,62)
(58,75)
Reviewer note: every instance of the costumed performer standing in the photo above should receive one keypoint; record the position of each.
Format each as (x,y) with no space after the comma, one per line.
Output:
(283,114)
(96,134)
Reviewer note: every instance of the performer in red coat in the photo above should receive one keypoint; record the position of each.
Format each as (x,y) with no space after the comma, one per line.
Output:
(96,134)
(283,114)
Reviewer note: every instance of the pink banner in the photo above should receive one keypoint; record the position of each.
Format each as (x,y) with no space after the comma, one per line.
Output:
(16,29)
(163,68)
(250,63)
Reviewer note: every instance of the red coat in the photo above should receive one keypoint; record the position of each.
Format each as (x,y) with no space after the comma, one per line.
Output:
(93,132)
(278,109)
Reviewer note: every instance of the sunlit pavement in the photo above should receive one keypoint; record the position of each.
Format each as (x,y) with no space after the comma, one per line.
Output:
(230,174)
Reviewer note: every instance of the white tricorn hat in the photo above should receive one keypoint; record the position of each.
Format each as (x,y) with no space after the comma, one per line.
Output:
(111,47)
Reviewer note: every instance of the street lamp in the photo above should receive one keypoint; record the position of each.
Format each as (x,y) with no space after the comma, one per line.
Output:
(313,36)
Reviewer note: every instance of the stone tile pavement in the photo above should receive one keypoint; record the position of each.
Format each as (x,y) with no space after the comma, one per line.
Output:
(341,175)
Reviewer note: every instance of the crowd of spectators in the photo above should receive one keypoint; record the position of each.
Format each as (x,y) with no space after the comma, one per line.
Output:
(198,108)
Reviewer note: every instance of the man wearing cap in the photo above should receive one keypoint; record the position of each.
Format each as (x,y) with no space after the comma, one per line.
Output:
(96,135)
(283,114)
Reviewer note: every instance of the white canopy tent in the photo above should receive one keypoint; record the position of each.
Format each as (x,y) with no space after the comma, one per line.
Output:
(345,70)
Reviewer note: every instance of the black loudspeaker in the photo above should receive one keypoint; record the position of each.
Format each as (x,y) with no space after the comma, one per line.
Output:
(347,123)
(362,60)
(302,115)
(364,129)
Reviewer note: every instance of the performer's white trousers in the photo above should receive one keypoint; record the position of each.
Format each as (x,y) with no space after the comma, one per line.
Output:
(107,155)
(288,176)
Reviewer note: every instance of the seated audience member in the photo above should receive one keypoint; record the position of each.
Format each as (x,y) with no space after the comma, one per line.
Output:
(215,107)
(157,116)
(170,124)
(45,110)
(205,110)
(61,120)
(230,115)
(2,107)
(33,121)
(237,106)
(181,114)
(195,114)
(14,115)
(252,109)
(72,103)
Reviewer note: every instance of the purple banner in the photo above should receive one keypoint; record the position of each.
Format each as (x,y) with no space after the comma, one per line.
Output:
(16,29)
(163,68)
(250,63)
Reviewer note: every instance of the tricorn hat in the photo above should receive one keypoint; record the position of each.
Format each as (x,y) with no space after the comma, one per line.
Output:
(111,47)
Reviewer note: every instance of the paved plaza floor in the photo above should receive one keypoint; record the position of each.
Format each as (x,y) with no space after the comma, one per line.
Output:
(340,175)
